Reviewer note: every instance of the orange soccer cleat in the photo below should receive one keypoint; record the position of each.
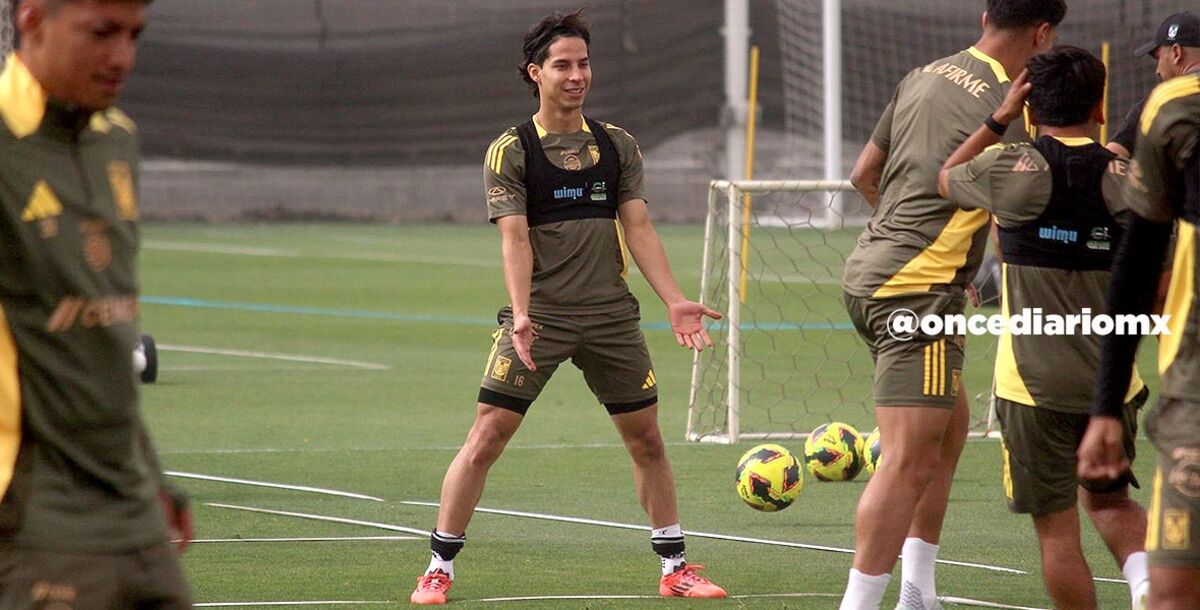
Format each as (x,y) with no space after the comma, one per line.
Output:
(431,589)
(685,582)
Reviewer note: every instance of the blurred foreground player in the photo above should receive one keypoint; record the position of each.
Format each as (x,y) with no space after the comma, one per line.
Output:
(1166,173)
(82,514)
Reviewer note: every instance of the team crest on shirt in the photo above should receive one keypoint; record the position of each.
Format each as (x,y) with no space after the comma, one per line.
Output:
(1185,476)
(120,178)
(1176,530)
(594,151)
(571,162)
(97,247)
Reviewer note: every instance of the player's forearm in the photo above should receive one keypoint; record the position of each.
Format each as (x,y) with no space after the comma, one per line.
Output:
(975,144)
(1131,291)
(868,171)
(651,259)
(518,272)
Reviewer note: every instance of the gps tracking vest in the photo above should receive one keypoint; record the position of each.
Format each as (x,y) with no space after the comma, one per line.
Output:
(554,194)
(1076,230)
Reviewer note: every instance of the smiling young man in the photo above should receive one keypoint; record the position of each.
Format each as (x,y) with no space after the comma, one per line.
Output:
(82,511)
(565,192)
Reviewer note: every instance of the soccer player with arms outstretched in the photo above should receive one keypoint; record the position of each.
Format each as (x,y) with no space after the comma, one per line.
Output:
(1165,172)
(918,253)
(565,192)
(1058,203)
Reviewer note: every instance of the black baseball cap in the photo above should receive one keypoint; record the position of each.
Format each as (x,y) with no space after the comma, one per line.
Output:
(1182,29)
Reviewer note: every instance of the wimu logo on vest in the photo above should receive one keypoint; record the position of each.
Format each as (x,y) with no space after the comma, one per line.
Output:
(566,192)
(1053,233)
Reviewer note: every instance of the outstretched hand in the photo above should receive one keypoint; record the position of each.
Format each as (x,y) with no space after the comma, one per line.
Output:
(687,322)
(1102,451)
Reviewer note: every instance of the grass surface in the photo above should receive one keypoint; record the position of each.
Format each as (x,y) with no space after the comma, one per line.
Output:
(412,308)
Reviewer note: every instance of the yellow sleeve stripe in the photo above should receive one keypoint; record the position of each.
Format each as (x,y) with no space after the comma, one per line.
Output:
(1165,93)
(495,153)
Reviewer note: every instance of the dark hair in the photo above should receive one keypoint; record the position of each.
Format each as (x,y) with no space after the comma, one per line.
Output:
(1068,83)
(543,34)
(1016,14)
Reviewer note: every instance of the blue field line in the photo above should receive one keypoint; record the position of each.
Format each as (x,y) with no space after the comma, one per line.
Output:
(408,317)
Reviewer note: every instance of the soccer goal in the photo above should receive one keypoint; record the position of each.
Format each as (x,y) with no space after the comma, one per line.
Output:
(6,29)
(786,356)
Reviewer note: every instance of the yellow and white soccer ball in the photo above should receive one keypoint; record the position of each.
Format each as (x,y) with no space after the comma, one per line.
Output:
(872,451)
(834,452)
(768,478)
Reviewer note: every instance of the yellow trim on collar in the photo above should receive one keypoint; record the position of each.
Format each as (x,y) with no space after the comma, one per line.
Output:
(541,131)
(1074,141)
(997,67)
(22,98)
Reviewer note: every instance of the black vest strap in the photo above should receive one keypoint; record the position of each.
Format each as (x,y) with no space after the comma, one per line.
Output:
(554,194)
(1076,230)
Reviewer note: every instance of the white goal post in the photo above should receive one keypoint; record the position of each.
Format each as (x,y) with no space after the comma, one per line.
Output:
(786,357)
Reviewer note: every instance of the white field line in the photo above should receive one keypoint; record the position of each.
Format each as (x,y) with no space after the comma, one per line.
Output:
(284,513)
(176,246)
(194,349)
(311,539)
(210,369)
(179,246)
(316,490)
(532,598)
(547,446)
(963,601)
(297,603)
(629,526)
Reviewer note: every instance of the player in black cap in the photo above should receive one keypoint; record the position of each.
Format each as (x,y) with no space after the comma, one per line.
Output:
(1176,48)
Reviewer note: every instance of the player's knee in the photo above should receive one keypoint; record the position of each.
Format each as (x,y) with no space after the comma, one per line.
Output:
(915,466)
(1174,593)
(646,447)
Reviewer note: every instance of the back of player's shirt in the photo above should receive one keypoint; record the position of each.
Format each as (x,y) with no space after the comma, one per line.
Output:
(1167,169)
(915,240)
(1046,366)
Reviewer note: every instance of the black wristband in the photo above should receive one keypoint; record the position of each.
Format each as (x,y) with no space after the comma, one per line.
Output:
(991,123)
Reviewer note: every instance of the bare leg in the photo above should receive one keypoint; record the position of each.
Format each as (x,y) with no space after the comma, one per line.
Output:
(913,436)
(1120,521)
(651,468)
(1174,588)
(931,510)
(463,484)
(1064,569)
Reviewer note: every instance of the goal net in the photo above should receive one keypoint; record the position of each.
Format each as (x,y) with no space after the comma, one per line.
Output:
(786,357)
(6,29)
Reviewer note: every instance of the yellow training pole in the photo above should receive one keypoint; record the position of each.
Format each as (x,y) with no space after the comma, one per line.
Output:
(751,123)
(1105,48)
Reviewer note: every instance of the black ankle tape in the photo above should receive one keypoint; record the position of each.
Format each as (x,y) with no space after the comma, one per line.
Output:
(445,548)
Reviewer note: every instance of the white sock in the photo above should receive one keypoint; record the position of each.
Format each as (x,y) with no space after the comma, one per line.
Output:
(668,543)
(450,545)
(916,570)
(864,592)
(436,563)
(1136,575)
